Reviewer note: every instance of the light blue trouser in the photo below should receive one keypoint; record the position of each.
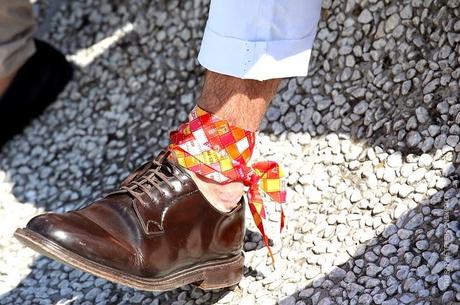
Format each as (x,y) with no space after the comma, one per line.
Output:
(260,39)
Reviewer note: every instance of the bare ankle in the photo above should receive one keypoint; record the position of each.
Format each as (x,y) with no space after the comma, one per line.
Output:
(242,102)
(224,197)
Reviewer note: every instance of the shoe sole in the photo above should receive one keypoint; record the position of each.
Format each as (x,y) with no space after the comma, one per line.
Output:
(211,275)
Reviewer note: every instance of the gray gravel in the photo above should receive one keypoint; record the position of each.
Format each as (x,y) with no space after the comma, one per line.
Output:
(369,140)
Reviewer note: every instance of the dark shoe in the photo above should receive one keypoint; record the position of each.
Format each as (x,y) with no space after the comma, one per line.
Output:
(157,232)
(36,85)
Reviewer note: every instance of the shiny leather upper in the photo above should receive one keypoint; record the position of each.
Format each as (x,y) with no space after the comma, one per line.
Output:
(151,227)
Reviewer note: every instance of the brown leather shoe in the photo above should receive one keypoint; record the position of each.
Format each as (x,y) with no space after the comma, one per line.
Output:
(157,232)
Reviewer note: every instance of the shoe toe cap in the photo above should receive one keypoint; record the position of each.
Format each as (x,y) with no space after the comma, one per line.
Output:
(81,236)
(55,227)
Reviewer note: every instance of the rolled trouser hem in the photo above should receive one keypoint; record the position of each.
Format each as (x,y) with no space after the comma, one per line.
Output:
(259,60)
(15,55)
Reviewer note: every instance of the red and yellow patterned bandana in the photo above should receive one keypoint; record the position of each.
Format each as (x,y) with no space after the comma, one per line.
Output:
(211,147)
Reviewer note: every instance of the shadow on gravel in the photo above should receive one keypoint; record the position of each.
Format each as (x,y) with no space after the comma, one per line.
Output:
(409,263)
(371,108)
(415,259)
(84,28)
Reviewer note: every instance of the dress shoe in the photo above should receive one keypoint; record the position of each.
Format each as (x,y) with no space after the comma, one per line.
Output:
(157,232)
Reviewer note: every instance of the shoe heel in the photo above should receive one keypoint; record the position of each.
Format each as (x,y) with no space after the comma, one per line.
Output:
(223,276)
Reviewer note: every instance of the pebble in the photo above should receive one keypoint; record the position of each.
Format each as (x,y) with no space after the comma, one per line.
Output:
(413,138)
(444,282)
(361,108)
(337,274)
(422,115)
(407,298)
(425,160)
(387,250)
(365,16)
(416,176)
(395,160)
(414,222)
(311,272)
(288,301)
(392,22)
(93,293)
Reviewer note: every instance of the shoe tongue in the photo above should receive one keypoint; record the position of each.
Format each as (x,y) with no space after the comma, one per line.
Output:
(167,166)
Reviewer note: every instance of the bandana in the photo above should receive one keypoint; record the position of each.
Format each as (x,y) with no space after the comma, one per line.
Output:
(211,147)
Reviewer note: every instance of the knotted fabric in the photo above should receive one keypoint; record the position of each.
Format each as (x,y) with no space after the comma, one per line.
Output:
(211,147)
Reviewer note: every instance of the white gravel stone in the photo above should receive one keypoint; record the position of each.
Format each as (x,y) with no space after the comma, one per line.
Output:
(416,176)
(365,16)
(395,160)
(425,160)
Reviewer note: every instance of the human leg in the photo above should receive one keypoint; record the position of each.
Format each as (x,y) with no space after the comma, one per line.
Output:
(170,224)
(245,42)
(243,103)
(17,25)
(32,72)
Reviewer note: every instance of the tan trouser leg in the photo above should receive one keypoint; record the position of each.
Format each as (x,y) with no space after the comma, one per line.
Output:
(17,25)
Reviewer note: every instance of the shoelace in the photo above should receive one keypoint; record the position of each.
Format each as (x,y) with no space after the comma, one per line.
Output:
(149,177)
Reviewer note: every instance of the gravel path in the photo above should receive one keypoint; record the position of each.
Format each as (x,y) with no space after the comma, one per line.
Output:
(369,140)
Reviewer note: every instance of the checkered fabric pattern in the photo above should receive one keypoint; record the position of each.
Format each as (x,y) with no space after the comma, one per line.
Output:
(211,147)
